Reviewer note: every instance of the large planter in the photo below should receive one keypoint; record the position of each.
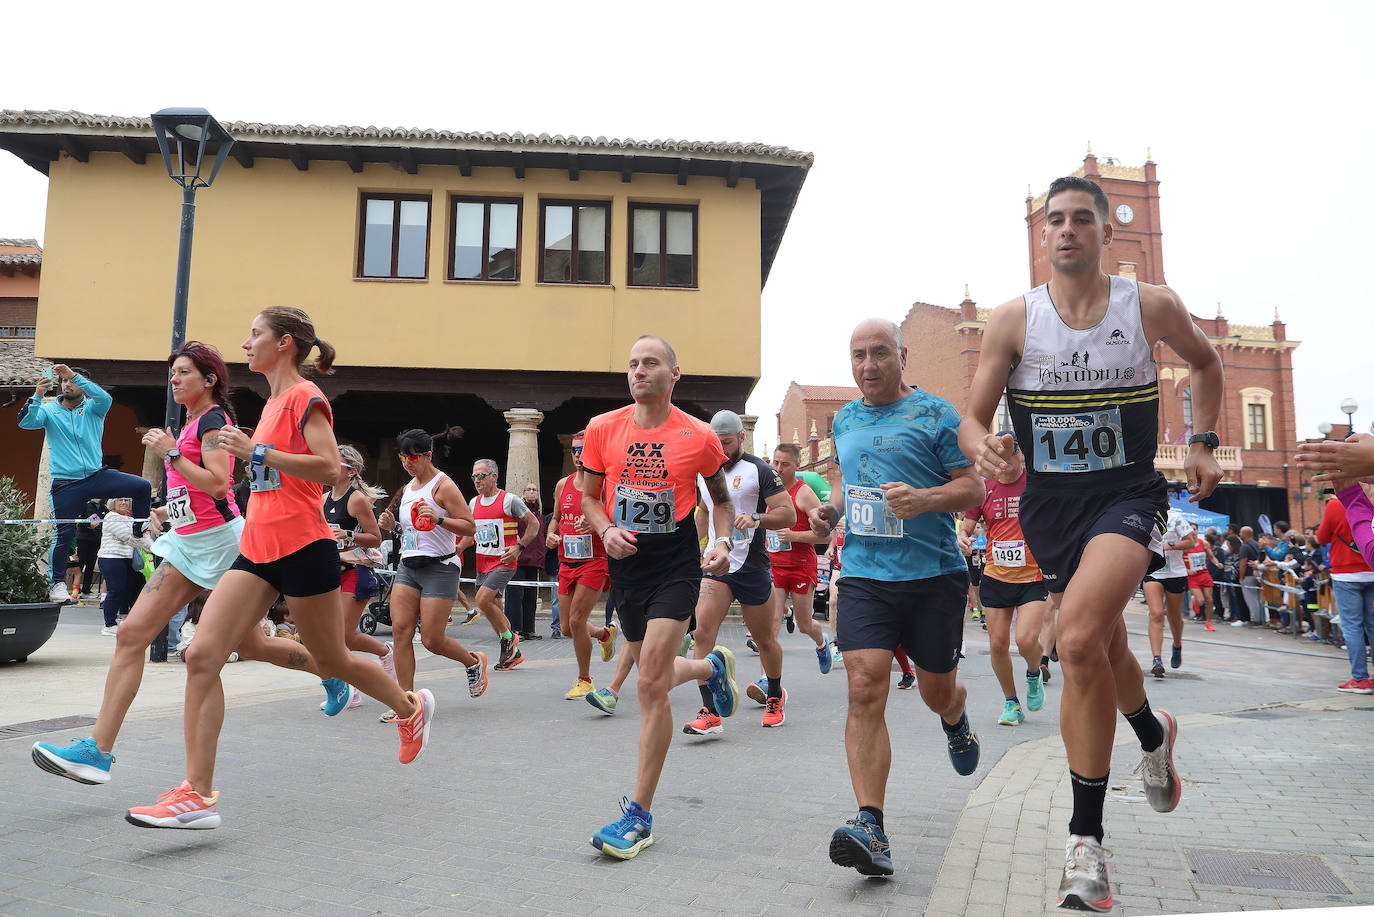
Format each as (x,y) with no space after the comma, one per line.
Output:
(25,628)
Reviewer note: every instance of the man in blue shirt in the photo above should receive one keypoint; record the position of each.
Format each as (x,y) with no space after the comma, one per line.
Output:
(75,425)
(902,477)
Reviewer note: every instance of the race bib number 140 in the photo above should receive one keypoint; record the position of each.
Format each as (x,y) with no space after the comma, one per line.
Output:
(1076,443)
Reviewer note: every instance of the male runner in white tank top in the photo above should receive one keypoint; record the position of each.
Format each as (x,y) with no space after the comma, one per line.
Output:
(1075,358)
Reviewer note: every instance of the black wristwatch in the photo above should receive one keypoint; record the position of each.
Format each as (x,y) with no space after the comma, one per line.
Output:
(1208,439)
(173,454)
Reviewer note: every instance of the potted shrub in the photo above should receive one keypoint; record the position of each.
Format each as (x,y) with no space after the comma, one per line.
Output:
(27,617)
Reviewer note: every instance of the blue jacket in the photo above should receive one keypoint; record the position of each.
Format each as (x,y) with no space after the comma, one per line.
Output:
(74,434)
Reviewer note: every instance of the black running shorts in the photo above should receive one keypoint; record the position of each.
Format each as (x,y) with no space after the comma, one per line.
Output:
(1059,523)
(994,593)
(636,605)
(313,570)
(1178,585)
(923,616)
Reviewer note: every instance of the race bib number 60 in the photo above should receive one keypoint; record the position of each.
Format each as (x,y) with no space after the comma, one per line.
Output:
(867,513)
(644,512)
(1076,443)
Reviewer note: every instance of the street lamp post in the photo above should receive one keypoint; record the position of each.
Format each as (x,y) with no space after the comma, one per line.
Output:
(1348,407)
(186,134)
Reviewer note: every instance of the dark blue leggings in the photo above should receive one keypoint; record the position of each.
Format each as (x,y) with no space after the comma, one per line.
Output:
(69,498)
(122,586)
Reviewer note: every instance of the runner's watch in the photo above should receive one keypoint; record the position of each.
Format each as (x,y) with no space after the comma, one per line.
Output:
(1208,439)
(173,454)
(756,517)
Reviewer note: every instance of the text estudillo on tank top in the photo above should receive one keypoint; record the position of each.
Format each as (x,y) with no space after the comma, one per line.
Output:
(1085,401)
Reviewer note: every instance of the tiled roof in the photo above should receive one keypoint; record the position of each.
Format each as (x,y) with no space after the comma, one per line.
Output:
(19,368)
(828,392)
(22,258)
(41,138)
(19,243)
(251,130)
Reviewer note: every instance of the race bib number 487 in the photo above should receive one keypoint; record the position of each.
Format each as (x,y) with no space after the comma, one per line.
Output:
(1076,443)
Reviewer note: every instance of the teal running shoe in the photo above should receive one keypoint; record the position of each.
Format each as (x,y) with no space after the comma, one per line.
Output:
(724,690)
(337,693)
(603,699)
(82,761)
(624,839)
(1011,716)
(1035,692)
(860,844)
(825,658)
(963,748)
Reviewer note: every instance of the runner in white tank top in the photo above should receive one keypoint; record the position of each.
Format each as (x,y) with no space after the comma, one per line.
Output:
(1084,403)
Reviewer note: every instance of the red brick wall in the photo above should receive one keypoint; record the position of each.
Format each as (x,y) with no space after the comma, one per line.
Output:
(935,358)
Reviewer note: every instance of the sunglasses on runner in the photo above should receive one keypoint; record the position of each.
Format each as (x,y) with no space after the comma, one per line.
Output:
(412,458)
(480,475)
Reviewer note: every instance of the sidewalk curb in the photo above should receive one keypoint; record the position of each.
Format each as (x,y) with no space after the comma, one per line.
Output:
(1004,856)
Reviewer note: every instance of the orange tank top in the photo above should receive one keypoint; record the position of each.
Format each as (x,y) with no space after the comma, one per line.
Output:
(285,512)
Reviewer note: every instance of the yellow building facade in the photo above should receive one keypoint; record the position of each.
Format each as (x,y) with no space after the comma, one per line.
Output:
(521,268)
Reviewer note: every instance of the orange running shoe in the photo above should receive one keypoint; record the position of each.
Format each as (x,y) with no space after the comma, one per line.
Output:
(706,723)
(414,731)
(772,711)
(181,807)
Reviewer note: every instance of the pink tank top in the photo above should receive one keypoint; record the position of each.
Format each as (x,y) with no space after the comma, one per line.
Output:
(189,509)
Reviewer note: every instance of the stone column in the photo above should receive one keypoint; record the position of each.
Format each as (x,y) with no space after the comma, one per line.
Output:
(749,420)
(565,439)
(522,457)
(42,505)
(152,463)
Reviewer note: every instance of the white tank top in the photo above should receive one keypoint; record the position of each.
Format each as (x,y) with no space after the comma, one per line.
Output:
(435,543)
(1085,401)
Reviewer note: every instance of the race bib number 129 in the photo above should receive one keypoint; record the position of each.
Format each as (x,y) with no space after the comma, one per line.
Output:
(644,512)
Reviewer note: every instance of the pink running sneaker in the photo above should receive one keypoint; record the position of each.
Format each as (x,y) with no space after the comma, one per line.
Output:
(389,661)
(181,807)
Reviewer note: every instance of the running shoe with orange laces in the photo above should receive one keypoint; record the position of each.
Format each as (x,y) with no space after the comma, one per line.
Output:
(414,730)
(181,807)
(772,710)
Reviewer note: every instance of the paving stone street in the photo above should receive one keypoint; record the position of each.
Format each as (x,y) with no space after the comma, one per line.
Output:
(319,818)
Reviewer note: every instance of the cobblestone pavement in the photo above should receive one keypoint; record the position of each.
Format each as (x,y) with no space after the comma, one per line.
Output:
(320,819)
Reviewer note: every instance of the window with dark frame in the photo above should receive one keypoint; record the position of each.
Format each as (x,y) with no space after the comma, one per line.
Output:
(394,236)
(663,245)
(1188,407)
(1258,440)
(574,241)
(486,239)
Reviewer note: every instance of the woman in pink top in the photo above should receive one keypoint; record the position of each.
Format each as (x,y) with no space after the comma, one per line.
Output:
(203,543)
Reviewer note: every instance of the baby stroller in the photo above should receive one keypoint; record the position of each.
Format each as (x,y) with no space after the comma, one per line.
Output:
(379,609)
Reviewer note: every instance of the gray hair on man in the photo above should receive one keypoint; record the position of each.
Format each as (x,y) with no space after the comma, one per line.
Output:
(490,465)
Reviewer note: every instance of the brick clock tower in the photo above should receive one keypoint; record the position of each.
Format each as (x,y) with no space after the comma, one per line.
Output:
(1137,248)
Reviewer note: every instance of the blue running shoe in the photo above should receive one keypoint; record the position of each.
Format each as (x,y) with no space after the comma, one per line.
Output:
(823,656)
(624,839)
(758,691)
(860,844)
(337,693)
(724,690)
(1011,716)
(1035,692)
(963,749)
(1176,658)
(82,761)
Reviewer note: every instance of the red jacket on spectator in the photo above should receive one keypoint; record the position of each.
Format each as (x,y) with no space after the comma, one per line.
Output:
(1335,531)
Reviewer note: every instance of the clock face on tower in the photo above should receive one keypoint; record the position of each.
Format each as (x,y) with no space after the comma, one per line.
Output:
(1124,214)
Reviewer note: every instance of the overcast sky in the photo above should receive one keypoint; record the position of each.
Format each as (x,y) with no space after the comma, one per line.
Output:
(927,128)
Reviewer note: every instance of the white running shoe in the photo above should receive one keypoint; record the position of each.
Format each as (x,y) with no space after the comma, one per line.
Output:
(355,697)
(1085,886)
(1156,768)
(59,593)
(109,631)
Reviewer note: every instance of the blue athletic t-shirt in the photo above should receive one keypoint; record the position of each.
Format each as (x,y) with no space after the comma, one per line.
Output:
(914,441)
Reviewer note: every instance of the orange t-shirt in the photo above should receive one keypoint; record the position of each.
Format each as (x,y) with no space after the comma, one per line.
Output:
(650,489)
(285,512)
(1008,560)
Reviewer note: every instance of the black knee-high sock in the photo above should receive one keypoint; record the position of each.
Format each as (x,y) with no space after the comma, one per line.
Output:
(1147,728)
(707,700)
(1089,794)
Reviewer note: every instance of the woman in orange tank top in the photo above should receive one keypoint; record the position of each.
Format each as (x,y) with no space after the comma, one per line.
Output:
(286,548)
